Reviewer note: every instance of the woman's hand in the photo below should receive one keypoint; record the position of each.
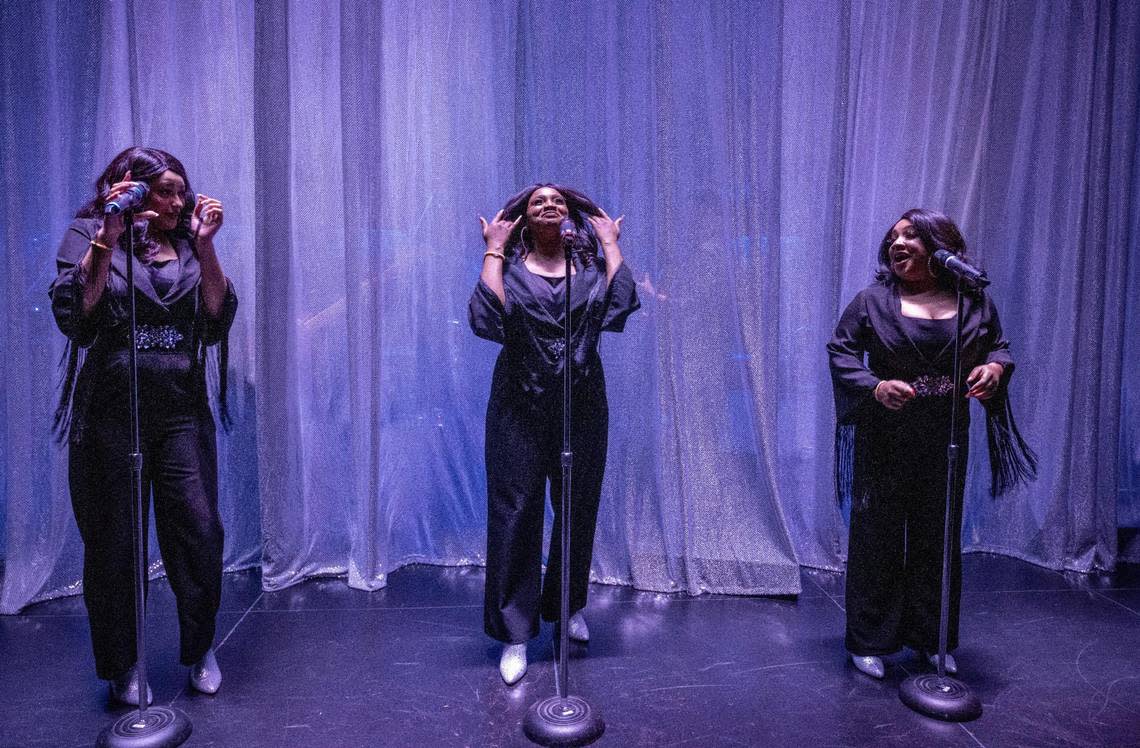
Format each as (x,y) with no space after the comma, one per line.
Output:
(496,233)
(984,380)
(206,219)
(113,225)
(606,229)
(893,393)
(204,224)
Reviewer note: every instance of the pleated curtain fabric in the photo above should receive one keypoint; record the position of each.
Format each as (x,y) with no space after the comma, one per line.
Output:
(759,150)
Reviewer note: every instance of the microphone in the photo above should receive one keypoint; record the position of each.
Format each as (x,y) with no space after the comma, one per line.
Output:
(129,199)
(959,268)
(568,233)
(567,230)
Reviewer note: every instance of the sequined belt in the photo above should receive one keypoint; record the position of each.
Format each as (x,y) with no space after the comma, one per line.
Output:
(158,337)
(932,385)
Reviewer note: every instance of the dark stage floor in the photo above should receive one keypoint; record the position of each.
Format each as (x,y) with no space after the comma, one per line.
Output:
(1055,659)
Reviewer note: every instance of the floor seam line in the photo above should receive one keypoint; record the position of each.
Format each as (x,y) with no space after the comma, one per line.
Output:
(222,643)
(379,608)
(819,586)
(1101,594)
(837,604)
(972,735)
(233,628)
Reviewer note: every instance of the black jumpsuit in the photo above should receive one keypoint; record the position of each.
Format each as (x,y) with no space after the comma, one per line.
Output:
(524,435)
(893,463)
(177,432)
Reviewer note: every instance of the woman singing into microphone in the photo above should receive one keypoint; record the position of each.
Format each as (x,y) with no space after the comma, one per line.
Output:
(892,367)
(184,305)
(519,303)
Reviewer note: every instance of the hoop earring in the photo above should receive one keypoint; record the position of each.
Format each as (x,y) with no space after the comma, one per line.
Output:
(524,241)
(930,267)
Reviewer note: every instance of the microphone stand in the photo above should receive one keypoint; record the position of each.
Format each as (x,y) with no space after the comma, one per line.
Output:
(564,719)
(937,694)
(159,726)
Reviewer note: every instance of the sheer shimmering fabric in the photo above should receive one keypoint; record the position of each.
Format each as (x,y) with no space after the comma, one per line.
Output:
(759,150)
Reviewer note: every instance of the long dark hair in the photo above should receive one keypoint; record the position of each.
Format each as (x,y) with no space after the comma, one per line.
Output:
(580,207)
(936,231)
(145,165)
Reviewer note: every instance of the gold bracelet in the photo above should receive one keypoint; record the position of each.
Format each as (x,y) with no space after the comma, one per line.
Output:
(492,253)
(103,247)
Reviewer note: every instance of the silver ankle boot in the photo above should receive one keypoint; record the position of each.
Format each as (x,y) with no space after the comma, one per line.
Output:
(951,665)
(512,665)
(872,666)
(125,688)
(205,675)
(578,630)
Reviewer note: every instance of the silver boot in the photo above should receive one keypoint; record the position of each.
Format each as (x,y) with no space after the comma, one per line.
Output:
(512,665)
(872,666)
(951,665)
(125,688)
(578,631)
(205,675)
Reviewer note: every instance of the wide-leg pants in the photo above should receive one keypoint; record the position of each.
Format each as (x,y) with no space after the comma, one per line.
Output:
(523,454)
(894,557)
(180,469)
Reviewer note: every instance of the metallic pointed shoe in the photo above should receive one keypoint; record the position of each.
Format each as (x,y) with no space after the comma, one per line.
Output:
(579,631)
(125,688)
(872,666)
(205,675)
(951,665)
(512,665)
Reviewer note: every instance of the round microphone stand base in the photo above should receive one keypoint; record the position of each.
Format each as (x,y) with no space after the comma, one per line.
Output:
(157,727)
(563,721)
(940,697)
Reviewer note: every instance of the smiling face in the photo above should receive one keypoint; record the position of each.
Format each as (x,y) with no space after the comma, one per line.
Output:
(545,209)
(167,198)
(909,257)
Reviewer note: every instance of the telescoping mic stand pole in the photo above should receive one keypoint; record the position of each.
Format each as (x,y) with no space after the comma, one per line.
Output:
(159,726)
(564,719)
(937,694)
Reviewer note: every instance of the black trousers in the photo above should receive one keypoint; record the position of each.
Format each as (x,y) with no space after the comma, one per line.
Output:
(894,557)
(523,454)
(180,469)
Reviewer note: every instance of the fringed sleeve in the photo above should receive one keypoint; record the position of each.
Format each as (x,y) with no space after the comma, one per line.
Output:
(851,461)
(1012,460)
(216,332)
(67,306)
(66,291)
(69,364)
(853,384)
(993,341)
(66,294)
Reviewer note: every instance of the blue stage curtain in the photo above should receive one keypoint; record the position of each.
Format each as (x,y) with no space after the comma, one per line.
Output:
(759,150)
